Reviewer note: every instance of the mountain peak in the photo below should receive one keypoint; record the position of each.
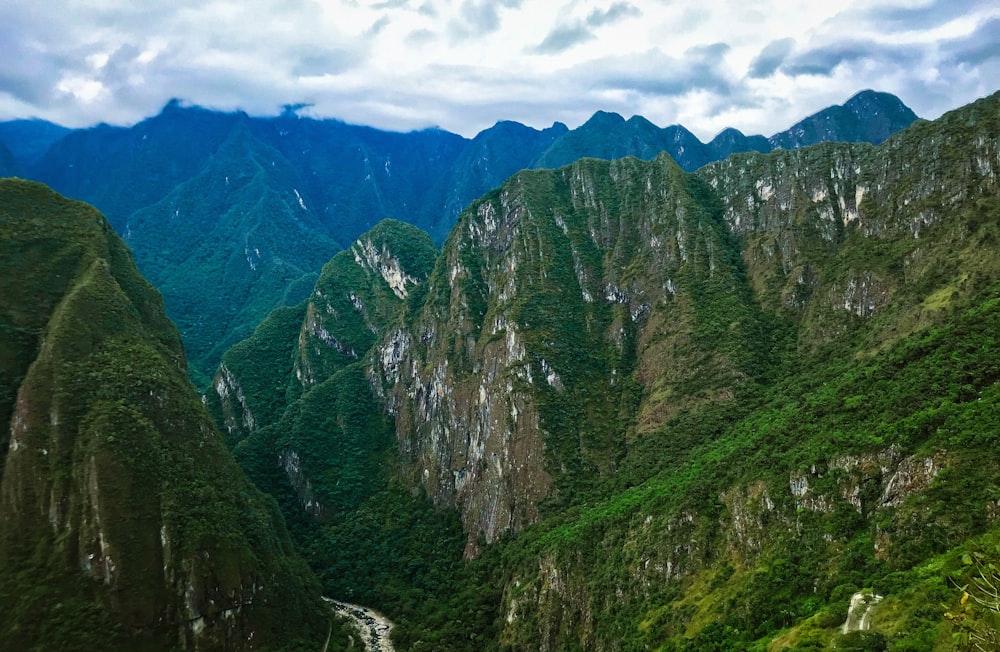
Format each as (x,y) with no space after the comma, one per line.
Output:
(604,119)
(868,116)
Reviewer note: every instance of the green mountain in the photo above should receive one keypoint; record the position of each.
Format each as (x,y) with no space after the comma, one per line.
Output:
(721,410)
(121,170)
(261,248)
(307,427)
(610,136)
(317,183)
(732,141)
(7,166)
(486,162)
(868,117)
(124,522)
(28,140)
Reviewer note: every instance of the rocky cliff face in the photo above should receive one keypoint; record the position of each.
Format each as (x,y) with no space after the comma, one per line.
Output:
(299,375)
(834,233)
(881,255)
(118,502)
(573,312)
(556,298)
(689,554)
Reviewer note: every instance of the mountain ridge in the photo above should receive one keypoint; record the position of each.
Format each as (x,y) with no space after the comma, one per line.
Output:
(347,178)
(124,522)
(709,410)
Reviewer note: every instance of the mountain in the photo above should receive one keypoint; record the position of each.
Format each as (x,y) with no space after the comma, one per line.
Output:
(7,166)
(732,141)
(868,117)
(260,249)
(124,522)
(356,176)
(306,426)
(734,409)
(323,181)
(122,169)
(486,162)
(28,140)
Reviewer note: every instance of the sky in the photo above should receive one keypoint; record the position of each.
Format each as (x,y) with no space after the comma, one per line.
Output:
(462,65)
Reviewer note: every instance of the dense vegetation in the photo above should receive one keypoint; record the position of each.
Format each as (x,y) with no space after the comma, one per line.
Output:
(790,400)
(124,522)
(662,410)
(231,216)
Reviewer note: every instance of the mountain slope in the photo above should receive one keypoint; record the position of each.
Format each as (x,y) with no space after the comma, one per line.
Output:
(260,247)
(486,162)
(679,411)
(7,167)
(28,140)
(868,117)
(307,428)
(323,180)
(750,524)
(123,521)
(120,170)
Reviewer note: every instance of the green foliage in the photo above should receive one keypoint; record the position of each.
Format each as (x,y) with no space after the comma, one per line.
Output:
(124,510)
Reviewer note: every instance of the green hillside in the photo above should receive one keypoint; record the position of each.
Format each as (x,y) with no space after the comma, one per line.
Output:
(674,411)
(124,522)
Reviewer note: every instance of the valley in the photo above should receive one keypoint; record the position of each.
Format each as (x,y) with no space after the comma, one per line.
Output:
(582,393)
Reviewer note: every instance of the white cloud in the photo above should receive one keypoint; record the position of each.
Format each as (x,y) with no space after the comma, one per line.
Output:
(464,64)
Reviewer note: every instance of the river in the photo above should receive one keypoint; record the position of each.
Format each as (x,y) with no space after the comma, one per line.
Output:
(375,629)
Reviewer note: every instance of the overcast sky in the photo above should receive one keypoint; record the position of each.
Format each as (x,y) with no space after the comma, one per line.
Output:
(757,65)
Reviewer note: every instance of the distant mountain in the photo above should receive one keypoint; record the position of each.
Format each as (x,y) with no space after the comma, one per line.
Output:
(732,141)
(28,140)
(124,522)
(486,162)
(123,169)
(7,166)
(868,117)
(166,185)
(228,245)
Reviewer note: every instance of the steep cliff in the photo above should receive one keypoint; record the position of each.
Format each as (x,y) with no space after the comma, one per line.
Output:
(557,302)
(123,521)
(672,411)
(307,427)
(857,462)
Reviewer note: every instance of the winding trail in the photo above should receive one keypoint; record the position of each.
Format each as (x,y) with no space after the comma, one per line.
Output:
(375,629)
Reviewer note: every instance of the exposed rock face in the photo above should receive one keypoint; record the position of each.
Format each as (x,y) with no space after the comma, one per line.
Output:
(551,296)
(833,232)
(296,371)
(118,500)
(839,240)
(555,603)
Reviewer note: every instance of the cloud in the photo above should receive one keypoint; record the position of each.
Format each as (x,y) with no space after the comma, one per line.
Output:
(923,17)
(569,33)
(480,17)
(655,73)
(977,48)
(562,38)
(823,60)
(614,13)
(119,61)
(770,58)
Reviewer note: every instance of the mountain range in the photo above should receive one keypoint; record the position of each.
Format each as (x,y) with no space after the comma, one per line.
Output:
(625,406)
(741,408)
(329,182)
